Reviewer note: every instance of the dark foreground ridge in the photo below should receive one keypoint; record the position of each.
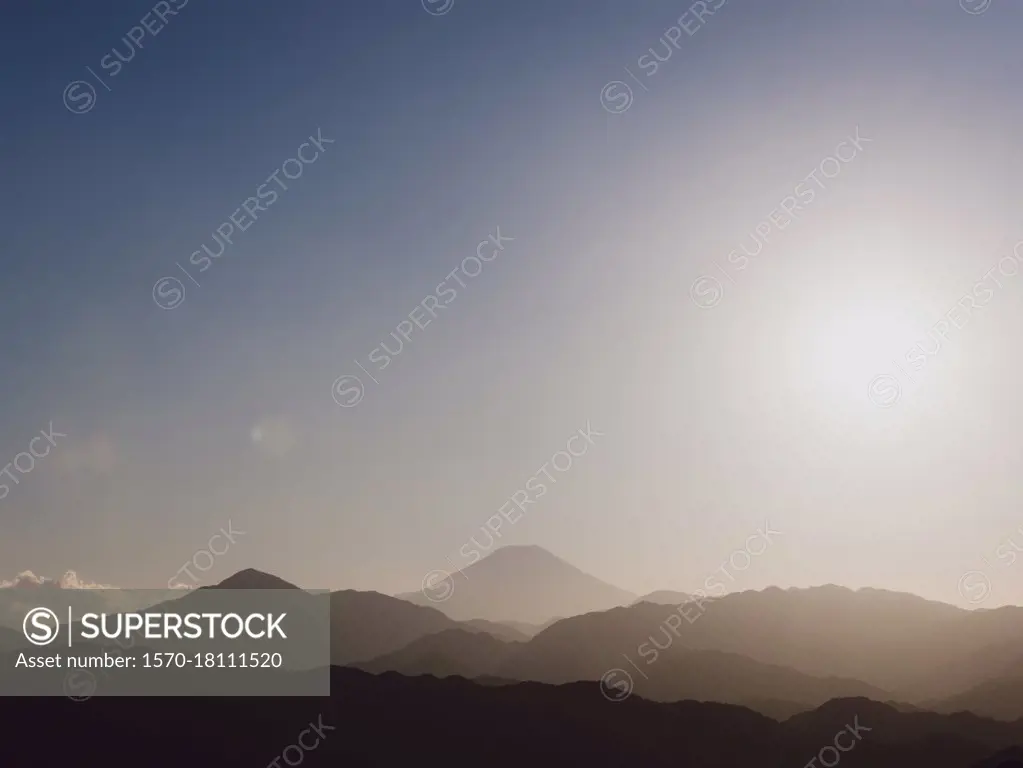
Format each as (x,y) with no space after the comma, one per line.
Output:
(392,720)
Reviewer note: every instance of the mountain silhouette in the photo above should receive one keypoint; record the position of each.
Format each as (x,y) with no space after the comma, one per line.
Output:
(522,583)
(250,578)
(1000,698)
(664,597)
(462,723)
(501,629)
(915,649)
(738,649)
(451,652)
(527,629)
(700,675)
(1007,758)
(365,625)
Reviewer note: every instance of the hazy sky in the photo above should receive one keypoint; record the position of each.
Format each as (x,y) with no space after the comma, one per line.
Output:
(446,128)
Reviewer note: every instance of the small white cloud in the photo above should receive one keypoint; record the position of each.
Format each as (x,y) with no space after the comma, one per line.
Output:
(70,580)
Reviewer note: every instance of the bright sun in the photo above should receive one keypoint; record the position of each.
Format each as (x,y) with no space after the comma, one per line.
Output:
(848,346)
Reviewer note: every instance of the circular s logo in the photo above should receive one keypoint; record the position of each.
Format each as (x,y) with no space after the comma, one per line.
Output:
(348,391)
(438,7)
(975,7)
(41,626)
(169,293)
(974,586)
(79,685)
(706,292)
(616,685)
(884,391)
(79,97)
(616,97)
(438,586)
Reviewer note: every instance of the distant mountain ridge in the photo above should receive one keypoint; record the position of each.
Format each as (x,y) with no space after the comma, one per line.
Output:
(698,675)
(915,649)
(664,597)
(778,651)
(366,625)
(524,584)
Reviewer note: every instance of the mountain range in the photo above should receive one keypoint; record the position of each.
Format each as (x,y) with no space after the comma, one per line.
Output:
(828,641)
(377,721)
(943,684)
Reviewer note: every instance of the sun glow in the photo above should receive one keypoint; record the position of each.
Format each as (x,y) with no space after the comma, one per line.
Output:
(850,345)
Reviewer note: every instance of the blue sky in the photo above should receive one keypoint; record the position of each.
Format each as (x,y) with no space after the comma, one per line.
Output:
(447,128)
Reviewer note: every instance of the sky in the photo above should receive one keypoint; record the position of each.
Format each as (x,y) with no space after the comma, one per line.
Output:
(580,199)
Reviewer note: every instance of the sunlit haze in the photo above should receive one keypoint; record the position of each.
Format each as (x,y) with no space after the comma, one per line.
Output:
(765,278)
